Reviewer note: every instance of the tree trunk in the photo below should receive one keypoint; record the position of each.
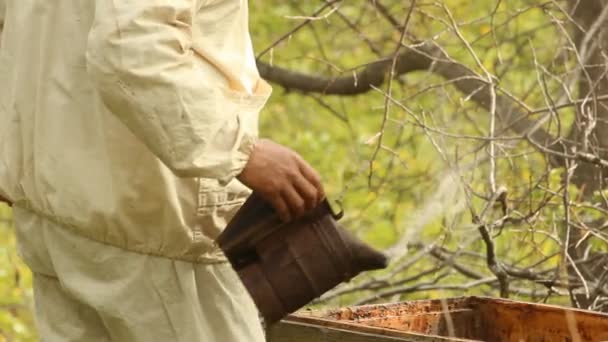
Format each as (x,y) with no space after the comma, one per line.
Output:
(591,129)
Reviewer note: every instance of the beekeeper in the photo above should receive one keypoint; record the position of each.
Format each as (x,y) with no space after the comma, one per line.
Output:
(124,126)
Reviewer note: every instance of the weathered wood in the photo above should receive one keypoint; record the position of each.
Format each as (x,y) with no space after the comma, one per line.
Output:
(302,332)
(534,322)
(299,332)
(464,319)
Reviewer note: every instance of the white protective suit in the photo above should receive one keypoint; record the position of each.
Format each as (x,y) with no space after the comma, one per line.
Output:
(122,126)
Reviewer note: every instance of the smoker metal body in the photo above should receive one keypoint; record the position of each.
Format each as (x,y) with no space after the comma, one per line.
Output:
(284,266)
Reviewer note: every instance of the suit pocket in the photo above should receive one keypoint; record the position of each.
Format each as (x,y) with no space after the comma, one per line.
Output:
(217,205)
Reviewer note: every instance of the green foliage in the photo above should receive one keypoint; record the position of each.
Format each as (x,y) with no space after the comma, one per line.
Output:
(407,193)
(16,322)
(413,190)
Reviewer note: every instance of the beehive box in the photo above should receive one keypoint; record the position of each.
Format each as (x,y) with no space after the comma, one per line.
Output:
(454,319)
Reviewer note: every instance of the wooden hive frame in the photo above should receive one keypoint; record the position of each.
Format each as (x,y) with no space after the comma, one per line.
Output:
(454,319)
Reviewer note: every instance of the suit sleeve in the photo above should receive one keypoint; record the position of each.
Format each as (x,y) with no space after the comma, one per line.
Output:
(141,61)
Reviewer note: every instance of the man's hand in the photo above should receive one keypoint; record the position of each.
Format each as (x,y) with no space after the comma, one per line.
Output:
(283,178)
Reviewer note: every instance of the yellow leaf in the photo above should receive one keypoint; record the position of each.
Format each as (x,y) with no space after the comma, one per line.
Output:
(485,29)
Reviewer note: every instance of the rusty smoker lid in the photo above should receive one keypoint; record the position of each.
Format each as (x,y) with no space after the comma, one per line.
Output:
(284,266)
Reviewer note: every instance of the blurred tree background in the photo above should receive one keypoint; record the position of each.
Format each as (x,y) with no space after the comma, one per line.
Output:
(16,322)
(467,139)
